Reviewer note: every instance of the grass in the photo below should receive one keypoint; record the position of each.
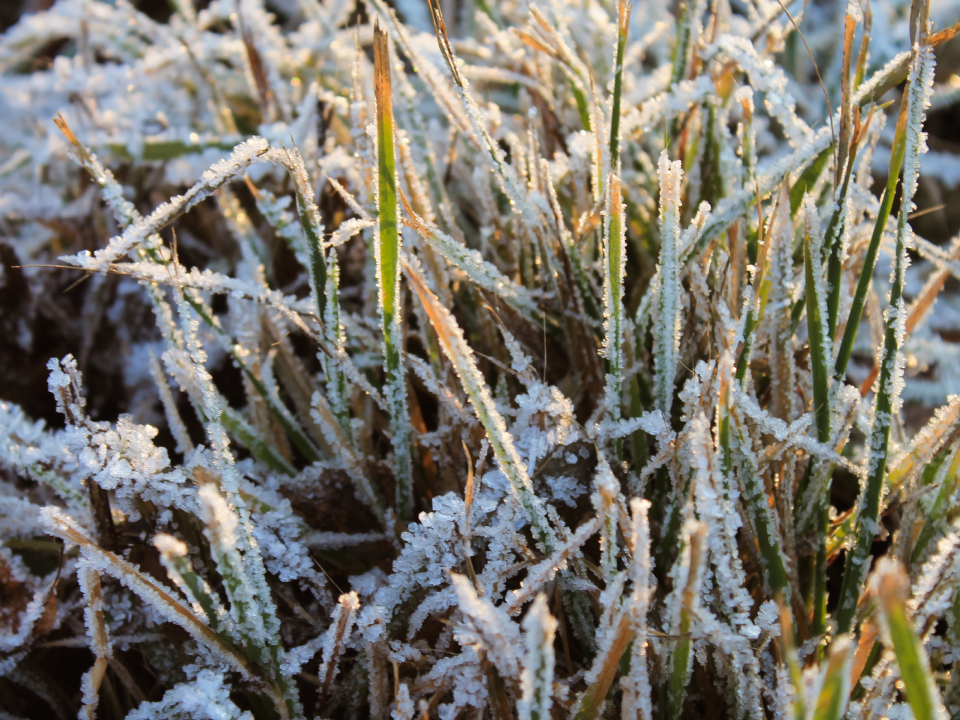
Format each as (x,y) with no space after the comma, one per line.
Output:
(529,362)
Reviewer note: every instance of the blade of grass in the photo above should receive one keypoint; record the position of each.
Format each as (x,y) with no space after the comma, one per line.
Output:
(614,267)
(835,682)
(623,26)
(157,596)
(870,258)
(946,475)
(461,356)
(693,558)
(920,687)
(916,99)
(387,243)
(537,675)
(820,354)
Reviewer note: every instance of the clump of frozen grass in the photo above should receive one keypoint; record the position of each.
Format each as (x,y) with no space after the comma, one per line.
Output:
(371,459)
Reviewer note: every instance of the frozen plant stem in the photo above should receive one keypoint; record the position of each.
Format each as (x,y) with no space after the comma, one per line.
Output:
(614,252)
(916,100)
(870,258)
(820,354)
(623,26)
(387,248)
(504,449)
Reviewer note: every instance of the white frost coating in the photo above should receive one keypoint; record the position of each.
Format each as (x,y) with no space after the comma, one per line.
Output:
(220,519)
(148,590)
(614,268)
(651,423)
(637,701)
(244,155)
(768,78)
(205,698)
(494,629)
(539,575)
(337,636)
(607,500)
(536,680)
(403,709)
(461,356)
(667,333)
(920,91)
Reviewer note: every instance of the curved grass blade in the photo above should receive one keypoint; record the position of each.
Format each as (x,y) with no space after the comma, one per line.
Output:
(461,356)
(921,688)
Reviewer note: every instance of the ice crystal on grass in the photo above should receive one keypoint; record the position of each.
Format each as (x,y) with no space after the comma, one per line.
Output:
(477,360)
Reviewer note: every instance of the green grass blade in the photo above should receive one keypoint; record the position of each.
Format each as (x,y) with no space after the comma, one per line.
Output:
(623,26)
(388,276)
(820,355)
(870,258)
(820,345)
(945,472)
(693,559)
(919,685)
(916,99)
(808,178)
(758,508)
(835,683)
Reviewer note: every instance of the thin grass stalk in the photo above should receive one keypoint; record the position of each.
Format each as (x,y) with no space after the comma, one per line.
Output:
(919,685)
(96,625)
(820,355)
(693,558)
(916,100)
(944,472)
(761,515)
(752,299)
(834,247)
(337,636)
(835,682)
(387,248)
(461,356)
(818,332)
(637,693)
(536,680)
(623,27)
(614,268)
(870,257)
(667,335)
